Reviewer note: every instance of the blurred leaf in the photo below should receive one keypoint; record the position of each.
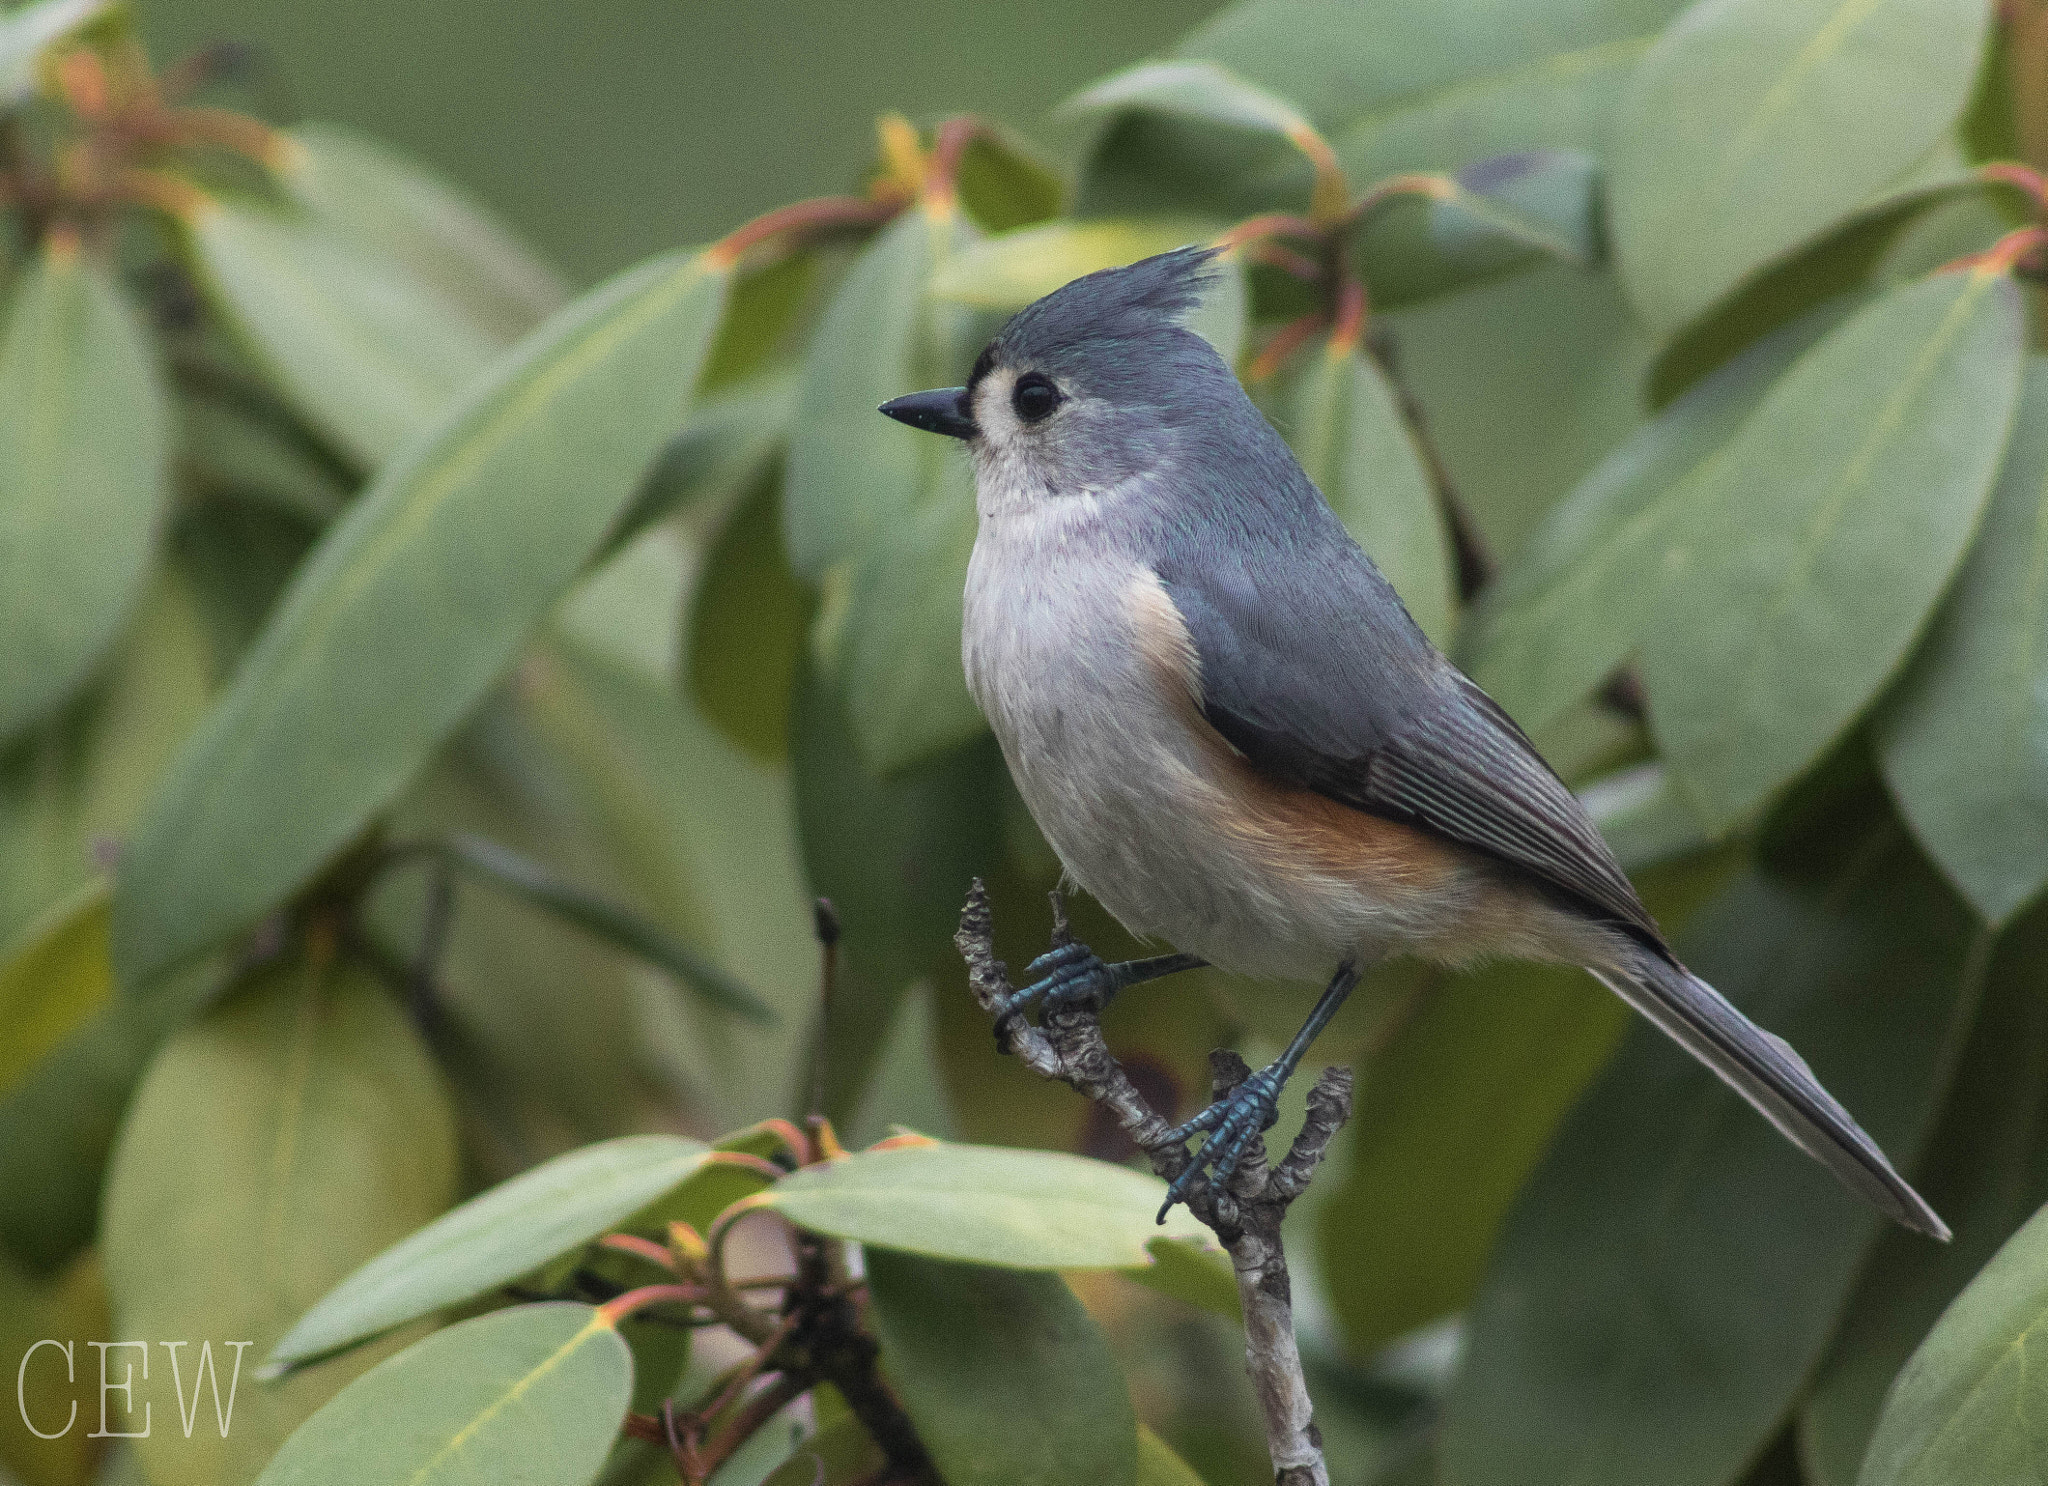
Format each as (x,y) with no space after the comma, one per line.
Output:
(896,856)
(596,914)
(390,206)
(1006,1377)
(987,1205)
(1753,124)
(52,979)
(1453,1115)
(1642,816)
(274,1144)
(26,31)
(493,1239)
(899,635)
(1193,90)
(1966,1405)
(52,1387)
(535,1393)
(1346,429)
(1813,544)
(1572,605)
(727,447)
(1004,184)
(1986,1171)
(744,627)
(468,541)
(852,473)
(1964,737)
(767,306)
(83,475)
(1673,1271)
(1010,271)
(365,350)
(229,450)
(1193,1271)
(842,1453)
(1159,1466)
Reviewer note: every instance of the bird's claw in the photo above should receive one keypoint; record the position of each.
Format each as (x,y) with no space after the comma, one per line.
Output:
(1070,975)
(1232,1123)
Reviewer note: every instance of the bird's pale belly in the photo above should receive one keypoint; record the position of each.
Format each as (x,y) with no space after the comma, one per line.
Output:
(1139,800)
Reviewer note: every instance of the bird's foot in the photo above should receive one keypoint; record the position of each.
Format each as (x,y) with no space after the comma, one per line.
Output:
(1231,1124)
(1071,975)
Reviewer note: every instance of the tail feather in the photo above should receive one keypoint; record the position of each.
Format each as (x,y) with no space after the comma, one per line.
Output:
(1771,1076)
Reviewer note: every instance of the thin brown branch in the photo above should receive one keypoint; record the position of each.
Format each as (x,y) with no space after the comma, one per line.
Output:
(1245,1218)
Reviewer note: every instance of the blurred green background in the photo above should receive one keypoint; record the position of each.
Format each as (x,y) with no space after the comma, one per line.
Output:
(609,131)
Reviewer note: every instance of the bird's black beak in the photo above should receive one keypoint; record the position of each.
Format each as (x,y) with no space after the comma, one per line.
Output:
(943,411)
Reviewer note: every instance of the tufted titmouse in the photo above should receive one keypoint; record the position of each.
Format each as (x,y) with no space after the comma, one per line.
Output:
(1234,736)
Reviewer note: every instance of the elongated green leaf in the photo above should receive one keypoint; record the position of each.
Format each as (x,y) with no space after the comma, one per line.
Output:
(495,1238)
(1964,739)
(53,979)
(596,914)
(744,627)
(1815,543)
(410,609)
(276,1142)
(1454,1114)
(839,1454)
(1007,272)
(1967,1406)
(1573,605)
(535,1393)
(899,635)
(1753,124)
(1675,1268)
(955,1337)
(851,472)
(391,206)
(1194,90)
(1159,1466)
(1346,429)
(26,31)
(986,1205)
(896,856)
(1004,183)
(83,474)
(1986,1172)
(364,350)
(728,447)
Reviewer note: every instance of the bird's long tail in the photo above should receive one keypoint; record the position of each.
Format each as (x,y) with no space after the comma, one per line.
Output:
(1770,1075)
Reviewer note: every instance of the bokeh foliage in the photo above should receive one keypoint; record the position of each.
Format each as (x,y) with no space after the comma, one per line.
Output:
(430,699)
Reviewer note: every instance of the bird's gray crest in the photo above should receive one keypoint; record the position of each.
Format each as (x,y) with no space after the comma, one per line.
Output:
(1113,308)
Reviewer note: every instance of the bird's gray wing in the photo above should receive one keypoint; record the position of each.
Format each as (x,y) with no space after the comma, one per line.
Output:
(1311,669)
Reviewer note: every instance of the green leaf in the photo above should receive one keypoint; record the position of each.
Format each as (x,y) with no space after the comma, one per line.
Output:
(1193,90)
(24,33)
(1986,1172)
(1753,124)
(839,1454)
(744,627)
(84,456)
(276,1142)
(411,607)
(53,979)
(363,349)
(1159,1466)
(1009,271)
(1815,542)
(899,634)
(1347,430)
(1671,1235)
(1194,1271)
(1453,1115)
(1964,737)
(392,207)
(1964,1408)
(851,472)
(986,1205)
(1008,1380)
(535,1393)
(596,914)
(494,1238)
(895,855)
(51,1396)
(1004,183)
(1570,607)
(726,449)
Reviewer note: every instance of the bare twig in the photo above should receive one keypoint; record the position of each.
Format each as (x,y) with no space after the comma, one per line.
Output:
(1246,1217)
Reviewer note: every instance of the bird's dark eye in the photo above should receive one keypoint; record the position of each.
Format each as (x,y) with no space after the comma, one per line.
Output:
(1034,397)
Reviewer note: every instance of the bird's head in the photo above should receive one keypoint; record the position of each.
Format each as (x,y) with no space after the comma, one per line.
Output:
(1087,387)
